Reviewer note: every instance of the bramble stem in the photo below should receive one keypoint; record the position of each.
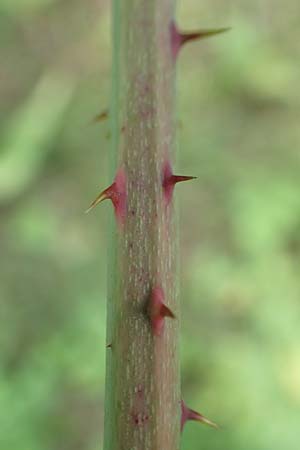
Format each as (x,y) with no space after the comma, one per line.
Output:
(143,403)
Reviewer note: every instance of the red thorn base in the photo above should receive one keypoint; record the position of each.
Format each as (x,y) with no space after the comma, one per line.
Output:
(116,192)
(157,310)
(169,181)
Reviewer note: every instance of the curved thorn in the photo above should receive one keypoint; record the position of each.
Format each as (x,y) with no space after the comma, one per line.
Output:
(190,414)
(202,34)
(117,193)
(179,38)
(104,195)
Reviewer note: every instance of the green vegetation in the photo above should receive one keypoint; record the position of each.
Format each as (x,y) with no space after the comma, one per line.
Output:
(238,106)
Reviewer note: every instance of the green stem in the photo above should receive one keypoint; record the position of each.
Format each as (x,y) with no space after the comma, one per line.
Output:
(142,407)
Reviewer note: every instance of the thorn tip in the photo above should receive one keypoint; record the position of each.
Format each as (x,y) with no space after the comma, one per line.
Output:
(169,181)
(190,414)
(102,196)
(116,192)
(178,38)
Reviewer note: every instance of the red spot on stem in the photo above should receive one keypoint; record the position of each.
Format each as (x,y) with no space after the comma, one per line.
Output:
(190,414)
(178,38)
(169,181)
(140,419)
(116,192)
(157,310)
(139,413)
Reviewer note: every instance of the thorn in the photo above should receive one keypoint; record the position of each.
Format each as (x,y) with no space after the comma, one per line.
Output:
(178,178)
(157,310)
(116,192)
(109,345)
(101,116)
(166,312)
(178,38)
(190,414)
(104,195)
(169,181)
(201,34)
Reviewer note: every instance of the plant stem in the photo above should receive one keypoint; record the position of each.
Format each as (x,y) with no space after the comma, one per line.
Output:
(143,403)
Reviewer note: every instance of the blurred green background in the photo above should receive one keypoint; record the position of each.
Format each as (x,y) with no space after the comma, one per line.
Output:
(238,109)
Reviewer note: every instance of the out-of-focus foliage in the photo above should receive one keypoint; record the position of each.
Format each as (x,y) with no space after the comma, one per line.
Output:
(238,108)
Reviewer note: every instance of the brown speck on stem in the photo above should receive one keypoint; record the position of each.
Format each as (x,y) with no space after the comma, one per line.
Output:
(101,116)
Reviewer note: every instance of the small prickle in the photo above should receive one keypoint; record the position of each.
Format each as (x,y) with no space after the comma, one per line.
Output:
(101,116)
(170,180)
(178,38)
(190,414)
(157,310)
(116,192)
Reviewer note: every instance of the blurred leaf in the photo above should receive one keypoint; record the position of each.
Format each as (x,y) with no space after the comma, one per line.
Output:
(29,133)
(23,6)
